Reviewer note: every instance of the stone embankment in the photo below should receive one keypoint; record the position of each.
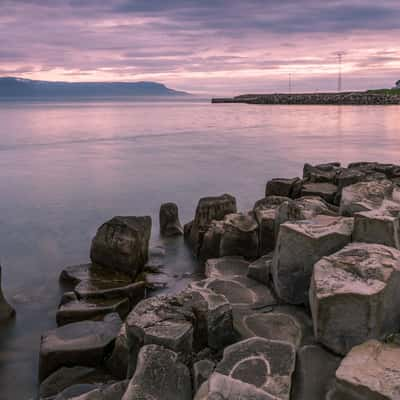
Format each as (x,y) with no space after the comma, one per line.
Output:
(299,300)
(348,98)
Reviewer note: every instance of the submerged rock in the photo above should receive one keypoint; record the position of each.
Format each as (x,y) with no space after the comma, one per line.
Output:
(169,220)
(81,343)
(267,365)
(122,243)
(208,209)
(159,375)
(300,245)
(6,311)
(371,371)
(284,187)
(354,295)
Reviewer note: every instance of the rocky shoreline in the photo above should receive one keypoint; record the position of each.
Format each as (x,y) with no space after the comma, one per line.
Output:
(299,299)
(348,98)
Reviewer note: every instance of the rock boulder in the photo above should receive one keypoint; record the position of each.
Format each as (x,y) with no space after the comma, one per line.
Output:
(169,220)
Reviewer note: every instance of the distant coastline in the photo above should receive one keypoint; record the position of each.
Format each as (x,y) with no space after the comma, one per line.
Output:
(344,98)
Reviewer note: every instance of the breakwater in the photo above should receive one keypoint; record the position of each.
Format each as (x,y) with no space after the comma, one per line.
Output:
(348,98)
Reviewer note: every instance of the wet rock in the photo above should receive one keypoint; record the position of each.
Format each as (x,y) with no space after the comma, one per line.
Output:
(315,373)
(211,244)
(159,375)
(240,237)
(300,245)
(380,225)
(208,209)
(186,322)
(169,220)
(326,191)
(364,196)
(284,187)
(354,295)
(66,377)
(371,371)
(75,310)
(202,370)
(261,269)
(347,177)
(265,364)
(122,243)
(222,387)
(226,267)
(265,214)
(6,311)
(118,362)
(81,343)
(323,173)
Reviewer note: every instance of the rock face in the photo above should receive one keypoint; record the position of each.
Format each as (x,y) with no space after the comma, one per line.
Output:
(326,191)
(300,245)
(381,225)
(6,311)
(315,373)
(371,371)
(81,343)
(159,375)
(283,187)
(186,322)
(354,295)
(202,370)
(364,196)
(169,220)
(122,243)
(208,209)
(265,364)
(261,269)
(265,214)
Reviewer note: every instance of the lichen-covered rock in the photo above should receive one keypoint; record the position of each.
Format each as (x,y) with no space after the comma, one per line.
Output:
(315,373)
(326,191)
(371,371)
(354,295)
(6,311)
(159,375)
(265,214)
(186,322)
(208,209)
(364,196)
(240,236)
(381,225)
(265,364)
(122,243)
(83,343)
(300,245)
(226,267)
(284,187)
(261,269)
(169,220)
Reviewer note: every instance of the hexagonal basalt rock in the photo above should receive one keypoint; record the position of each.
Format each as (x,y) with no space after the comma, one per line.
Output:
(208,209)
(188,321)
(265,364)
(326,191)
(226,267)
(354,295)
(81,343)
(381,225)
(283,187)
(261,269)
(323,173)
(122,243)
(364,196)
(159,375)
(265,214)
(371,371)
(300,245)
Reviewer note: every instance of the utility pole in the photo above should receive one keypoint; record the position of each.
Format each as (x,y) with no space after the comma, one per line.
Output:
(339,56)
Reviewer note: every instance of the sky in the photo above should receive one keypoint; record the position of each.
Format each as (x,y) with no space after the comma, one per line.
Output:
(219,47)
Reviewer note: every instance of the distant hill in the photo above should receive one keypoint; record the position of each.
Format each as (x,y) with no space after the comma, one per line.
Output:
(11,87)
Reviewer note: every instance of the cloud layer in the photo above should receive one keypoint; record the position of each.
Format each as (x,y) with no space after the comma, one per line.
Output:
(204,46)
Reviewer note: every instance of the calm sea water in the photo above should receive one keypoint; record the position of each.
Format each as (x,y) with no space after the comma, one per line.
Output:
(67,167)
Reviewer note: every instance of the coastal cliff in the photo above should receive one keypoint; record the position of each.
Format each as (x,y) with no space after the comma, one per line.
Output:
(345,98)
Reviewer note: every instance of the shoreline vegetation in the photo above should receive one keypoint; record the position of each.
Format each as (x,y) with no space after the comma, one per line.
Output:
(304,284)
(370,97)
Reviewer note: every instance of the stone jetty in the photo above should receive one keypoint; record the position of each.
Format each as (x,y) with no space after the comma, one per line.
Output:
(299,299)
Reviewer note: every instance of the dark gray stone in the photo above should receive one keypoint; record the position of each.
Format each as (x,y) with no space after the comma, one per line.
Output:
(202,370)
(169,220)
(326,191)
(6,311)
(284,187)
(261,269)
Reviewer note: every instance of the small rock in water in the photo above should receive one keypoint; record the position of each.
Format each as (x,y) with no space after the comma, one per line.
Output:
(169,220)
